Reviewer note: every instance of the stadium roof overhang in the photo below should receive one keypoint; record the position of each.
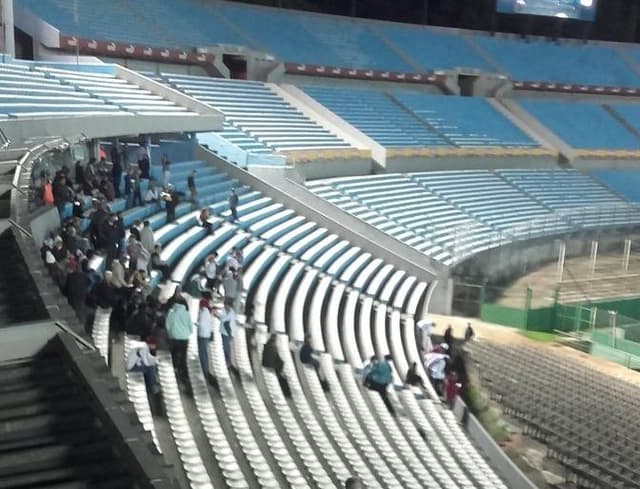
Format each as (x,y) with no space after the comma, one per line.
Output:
(22,130)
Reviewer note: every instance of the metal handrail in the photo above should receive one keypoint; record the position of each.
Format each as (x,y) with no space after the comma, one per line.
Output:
(76,336)
(21,228)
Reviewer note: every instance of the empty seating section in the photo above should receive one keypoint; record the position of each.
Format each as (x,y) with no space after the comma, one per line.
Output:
(464,121)
(451,214)
(24,92)
(582,125)
(116,91)
(335,41)
(575,195)
(411,118)
(377,115)
(315,39)
(559,62)
(630,113)
(434,49)
(257,111)
(491,199)
(97,19)
(31,90)
(589,428)
(408,211)
(624,182)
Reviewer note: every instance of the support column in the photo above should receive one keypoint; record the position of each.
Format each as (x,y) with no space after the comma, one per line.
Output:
(627,254)
(7,42)
(594,257)
(560,266)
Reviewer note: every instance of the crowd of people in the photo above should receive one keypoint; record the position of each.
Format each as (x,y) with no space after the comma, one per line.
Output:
(132,257)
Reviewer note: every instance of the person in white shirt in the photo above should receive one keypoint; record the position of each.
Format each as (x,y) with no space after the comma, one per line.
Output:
(205,329)
(425,327)
(227,318)
(436,365)
(139,359)
(211,272)
(152,194)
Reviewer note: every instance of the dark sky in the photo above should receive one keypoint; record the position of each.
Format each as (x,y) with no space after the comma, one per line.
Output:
(617,20)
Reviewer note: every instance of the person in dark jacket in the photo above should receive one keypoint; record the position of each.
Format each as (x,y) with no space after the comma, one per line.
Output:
(105,293)
(448,336)
(191,185)
(271,360)
(77,288)
(413,378)
(233,205)
(171,201)
(79,173)
(60,193)
(116,172)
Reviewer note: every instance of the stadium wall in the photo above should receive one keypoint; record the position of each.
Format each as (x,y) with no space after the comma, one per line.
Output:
(515,259)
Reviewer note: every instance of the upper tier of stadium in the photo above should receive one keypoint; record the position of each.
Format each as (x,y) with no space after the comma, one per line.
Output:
(317,39)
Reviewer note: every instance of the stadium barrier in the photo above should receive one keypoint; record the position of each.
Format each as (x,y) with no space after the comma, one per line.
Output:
(510,472)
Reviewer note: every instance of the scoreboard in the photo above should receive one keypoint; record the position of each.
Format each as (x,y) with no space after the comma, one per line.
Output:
(566,9)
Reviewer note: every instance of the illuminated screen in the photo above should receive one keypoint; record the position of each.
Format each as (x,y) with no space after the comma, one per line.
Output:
(568,9)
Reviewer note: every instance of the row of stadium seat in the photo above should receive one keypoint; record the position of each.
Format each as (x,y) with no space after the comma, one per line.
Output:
(452,214)
(584,416)
(337,41)
(39,91)
(410,118)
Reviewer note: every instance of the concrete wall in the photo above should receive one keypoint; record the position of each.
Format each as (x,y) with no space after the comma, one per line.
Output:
(413,164)
(25,340)
(104,126)
(344,82)
(359,233)
(314,170)
(498,459)
(44,222)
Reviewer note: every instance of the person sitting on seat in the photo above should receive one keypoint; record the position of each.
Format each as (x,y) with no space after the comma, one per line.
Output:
(379,379)
(158,264)
(139,359)
(436,364)
(308,357)
(413,378)
(152,196)
(352,483)
(271,360)
(204,220)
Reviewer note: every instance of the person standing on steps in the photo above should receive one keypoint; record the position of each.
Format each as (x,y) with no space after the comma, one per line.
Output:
(227,318)
(233,205)
(166,170)
(191,185)
(179,327)
(205,329)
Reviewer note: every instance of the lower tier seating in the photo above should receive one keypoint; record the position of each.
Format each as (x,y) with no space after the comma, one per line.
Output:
(297,286)
(584,416)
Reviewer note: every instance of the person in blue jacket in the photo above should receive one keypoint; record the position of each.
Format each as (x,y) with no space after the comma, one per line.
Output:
(379,379)
(179,327)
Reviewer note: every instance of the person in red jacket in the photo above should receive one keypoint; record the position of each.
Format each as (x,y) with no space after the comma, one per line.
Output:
(451,387)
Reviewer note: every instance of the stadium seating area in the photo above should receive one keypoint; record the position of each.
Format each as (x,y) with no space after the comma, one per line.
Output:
(30,90)
(584,416)
(583,124)
(559,62)
(624,182)
(335,41)
(256,111)
(452,214)
(409,118)
(317,439)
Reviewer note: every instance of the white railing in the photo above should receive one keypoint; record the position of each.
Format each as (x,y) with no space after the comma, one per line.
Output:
(239,156)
